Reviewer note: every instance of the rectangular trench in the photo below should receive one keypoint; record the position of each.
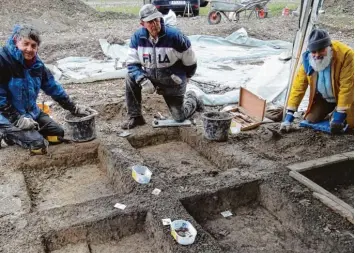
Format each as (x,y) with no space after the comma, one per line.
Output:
(75,177)
(175,157)
(121,233)
(337,178)
(262,220)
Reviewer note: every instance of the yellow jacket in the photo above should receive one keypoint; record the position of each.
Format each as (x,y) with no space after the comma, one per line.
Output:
(342,76)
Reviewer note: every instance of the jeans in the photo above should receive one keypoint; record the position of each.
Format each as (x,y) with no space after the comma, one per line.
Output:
(32,139)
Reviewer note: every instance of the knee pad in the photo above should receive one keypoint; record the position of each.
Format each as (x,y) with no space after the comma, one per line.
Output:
(54,139)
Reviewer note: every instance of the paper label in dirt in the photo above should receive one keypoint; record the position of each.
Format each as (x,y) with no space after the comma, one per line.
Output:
(120,206)
(226,214)
(156,191)
(166,222)
(124,134)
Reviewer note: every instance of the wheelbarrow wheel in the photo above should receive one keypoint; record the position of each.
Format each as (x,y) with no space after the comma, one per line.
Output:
(261,12)
(214,17)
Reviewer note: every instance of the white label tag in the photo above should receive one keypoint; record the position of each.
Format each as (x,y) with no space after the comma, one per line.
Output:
(226,214)
(120,206)
(156,191)
(124,134)
(166,222)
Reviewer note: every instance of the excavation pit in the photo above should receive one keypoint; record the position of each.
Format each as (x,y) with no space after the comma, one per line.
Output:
(176,159)
(336,178)
(332,181)
(255,226)
(75,176)
(124,233)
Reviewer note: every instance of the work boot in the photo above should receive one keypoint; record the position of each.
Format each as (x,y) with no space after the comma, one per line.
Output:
(132,122)
(190,94)
(39,147)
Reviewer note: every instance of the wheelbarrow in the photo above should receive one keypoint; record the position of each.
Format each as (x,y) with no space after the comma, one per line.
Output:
(220,7)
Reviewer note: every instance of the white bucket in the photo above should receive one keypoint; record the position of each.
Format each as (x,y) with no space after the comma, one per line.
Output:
(183,232)
(141,174)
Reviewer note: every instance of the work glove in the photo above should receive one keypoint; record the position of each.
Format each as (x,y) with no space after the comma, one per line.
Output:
(147,86)
(83,110)
(25,123)
(176,79)
(337,122)
(286,125)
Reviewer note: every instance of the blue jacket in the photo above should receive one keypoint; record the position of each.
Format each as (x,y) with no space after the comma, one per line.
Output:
(172,54)
(19,85)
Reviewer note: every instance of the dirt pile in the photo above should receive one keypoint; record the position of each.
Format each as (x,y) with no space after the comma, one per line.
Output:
(71,8)
(46,15)
(342,6)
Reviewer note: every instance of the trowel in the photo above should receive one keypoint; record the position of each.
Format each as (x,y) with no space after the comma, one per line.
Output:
(162,121)
(170,123)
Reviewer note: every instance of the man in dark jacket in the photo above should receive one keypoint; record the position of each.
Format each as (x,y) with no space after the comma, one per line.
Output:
(22,75)
(160,58)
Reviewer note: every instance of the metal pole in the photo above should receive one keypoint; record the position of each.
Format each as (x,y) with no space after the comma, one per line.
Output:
(308,17)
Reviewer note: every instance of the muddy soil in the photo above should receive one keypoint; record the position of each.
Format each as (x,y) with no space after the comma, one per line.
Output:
(59,187)
(179,160)
(253,229)
(345,193)
(337,179)
(135,243)
(64,201)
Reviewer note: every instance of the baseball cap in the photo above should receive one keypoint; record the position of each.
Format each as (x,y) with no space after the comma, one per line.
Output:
(149,12)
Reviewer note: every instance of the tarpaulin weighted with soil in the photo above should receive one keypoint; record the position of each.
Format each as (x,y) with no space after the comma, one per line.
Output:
(230,62)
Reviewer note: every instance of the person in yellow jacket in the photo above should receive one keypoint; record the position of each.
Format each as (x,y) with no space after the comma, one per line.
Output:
(328,68)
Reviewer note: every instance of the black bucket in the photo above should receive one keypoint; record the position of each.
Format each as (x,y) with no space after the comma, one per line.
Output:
(81,129)
(216,125)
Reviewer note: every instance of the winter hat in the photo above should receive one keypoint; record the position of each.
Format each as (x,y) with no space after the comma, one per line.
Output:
(318,39)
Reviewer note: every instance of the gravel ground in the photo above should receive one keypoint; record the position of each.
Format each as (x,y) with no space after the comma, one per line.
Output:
(71,28)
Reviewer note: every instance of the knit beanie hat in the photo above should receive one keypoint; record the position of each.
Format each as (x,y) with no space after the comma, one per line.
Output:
(318,39)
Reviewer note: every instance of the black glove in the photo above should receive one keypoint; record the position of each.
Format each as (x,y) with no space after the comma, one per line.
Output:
(67,104)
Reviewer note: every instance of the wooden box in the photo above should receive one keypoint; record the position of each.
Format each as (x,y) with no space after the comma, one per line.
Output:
(249,113)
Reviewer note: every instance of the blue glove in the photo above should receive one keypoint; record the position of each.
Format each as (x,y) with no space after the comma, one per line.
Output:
(337,123)
(286,125)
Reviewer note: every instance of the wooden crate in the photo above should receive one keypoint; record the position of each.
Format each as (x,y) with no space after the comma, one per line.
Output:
(249,113)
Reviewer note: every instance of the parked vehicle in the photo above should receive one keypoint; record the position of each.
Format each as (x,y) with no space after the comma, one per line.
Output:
(178,6)
(203,3)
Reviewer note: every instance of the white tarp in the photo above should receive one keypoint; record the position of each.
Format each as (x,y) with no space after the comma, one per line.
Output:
(232,62)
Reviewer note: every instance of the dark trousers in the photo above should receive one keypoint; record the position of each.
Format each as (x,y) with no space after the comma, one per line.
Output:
(32,139)
(320,109)
(48,127)
(179,107)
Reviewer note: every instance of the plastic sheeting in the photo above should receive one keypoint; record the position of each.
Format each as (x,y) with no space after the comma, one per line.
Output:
(232,62)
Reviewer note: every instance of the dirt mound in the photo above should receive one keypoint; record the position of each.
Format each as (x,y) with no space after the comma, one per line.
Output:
(34,8)
(343,6)
(47,16)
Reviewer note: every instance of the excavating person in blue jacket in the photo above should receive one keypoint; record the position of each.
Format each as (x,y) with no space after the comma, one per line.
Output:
(160,59)
(22,75)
